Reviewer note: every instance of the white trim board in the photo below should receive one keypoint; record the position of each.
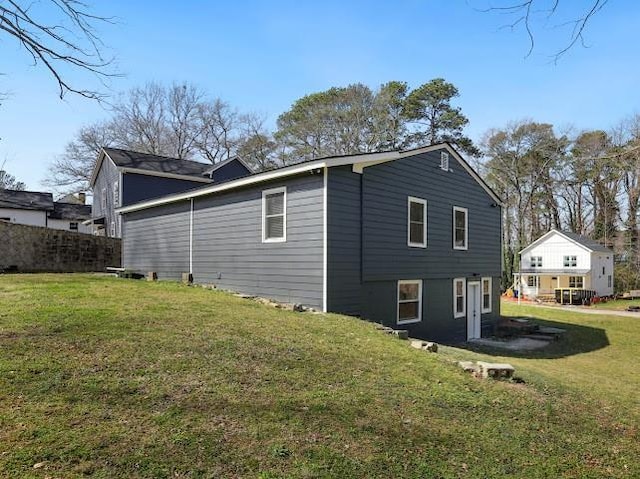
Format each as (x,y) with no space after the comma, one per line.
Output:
(163,174)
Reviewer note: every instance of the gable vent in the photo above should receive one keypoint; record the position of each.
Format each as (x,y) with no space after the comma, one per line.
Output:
(444,161)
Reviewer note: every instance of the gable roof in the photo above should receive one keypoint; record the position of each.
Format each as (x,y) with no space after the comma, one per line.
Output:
(220,164)
(26,200)
(359,161)
(580,240)
(158,165)
(70,211)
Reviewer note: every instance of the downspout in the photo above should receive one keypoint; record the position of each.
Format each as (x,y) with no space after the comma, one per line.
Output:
(362,229)
(191,239)
(324,240)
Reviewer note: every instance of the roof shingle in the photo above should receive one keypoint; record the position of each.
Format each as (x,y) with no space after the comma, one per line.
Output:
(163,164)
(26,200)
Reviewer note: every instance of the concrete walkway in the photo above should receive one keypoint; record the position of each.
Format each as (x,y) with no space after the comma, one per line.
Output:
(582,309)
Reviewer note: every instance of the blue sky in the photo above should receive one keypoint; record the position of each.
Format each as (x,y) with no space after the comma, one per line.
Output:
(262,56)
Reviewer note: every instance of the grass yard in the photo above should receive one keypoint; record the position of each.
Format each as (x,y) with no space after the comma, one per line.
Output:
(618,304)
(120,378)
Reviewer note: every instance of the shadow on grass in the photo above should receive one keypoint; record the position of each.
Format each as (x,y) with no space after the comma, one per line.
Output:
(577,339)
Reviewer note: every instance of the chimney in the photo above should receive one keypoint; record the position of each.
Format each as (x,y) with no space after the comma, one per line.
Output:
(82,197)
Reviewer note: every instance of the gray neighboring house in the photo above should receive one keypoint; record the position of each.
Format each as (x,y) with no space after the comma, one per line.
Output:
(123,177)
(411,239)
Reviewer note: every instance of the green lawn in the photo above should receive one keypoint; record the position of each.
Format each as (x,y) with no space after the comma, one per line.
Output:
(618,304)
(121,378)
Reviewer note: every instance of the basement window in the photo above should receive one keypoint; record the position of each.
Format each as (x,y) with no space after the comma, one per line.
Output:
(274,215)
(486,295)
(417,222)
(460,228)
(409,301)
(459,297)
(73,226)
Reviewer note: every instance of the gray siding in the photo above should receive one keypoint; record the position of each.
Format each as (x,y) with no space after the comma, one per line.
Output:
(373,267)
(231,171)
(105,179)
(385,191)
(228,247)
(136,187)
(227,242)
(344,288)
(157,239)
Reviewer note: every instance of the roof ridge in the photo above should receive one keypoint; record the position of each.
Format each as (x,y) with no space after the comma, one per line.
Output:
(27,191)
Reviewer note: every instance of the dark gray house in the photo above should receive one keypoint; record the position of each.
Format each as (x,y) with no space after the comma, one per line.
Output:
(407,238)
(124,177)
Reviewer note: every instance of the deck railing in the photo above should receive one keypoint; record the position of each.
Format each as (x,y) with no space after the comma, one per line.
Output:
(574,295)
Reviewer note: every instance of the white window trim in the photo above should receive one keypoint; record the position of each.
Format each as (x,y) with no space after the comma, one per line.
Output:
(412,199)
(116,193)
(466,228)
(488,280)
(462,314)
(575,281)
(112,230)
(414,320)
(566,261)
(265,193)
(103,199)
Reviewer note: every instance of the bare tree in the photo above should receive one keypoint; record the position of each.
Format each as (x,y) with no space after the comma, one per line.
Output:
(218,125)
(71,171)
(8,181)
(526,14)
(70,42)
(177,121)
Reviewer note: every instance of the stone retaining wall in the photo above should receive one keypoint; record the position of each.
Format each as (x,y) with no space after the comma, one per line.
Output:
(33,249)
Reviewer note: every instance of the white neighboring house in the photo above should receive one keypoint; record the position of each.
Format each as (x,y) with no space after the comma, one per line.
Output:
(34,208)
(563,260)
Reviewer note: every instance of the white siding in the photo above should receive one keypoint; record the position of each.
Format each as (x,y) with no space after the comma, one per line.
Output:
(24,217)
(553,250)
(64,225)
(600,281)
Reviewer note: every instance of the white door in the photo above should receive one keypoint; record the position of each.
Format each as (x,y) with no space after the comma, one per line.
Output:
(474,310)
